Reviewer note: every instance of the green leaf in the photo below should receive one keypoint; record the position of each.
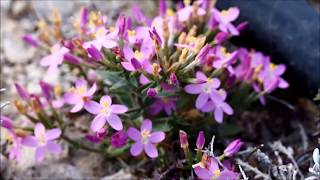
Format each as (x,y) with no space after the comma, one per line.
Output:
(162,126)
(118,151)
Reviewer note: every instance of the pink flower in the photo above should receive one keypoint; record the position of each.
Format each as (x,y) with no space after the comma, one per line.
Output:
(218,106)
(55,58)
(168,104)
(103,38)
(224,19)
(224,58)
(205,87)
(145,139)
(15,149)
(107,112)
(119,139)
(209,169)
(80,96)
(185,13)
(43,141)
(137,60)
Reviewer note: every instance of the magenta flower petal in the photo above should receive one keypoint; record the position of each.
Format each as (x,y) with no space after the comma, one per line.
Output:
(134,134)
(81,83)
(201,77)
(157,137)
(92,107)
(71,97)
(280,69)
(156,107)
(283,84)
(77,107)
(40,153)
(115,122)
(22,92)
(119,139)
(46,89)
(98,122)
(106,99)
(233,30)
(53,147)
(151,150)
(39,130)
(128,66)
(209,106)
(53,134)
(233,14)
(136,148)
(202,99)
(193,88)
(57,103)
(227,108)
(215,83)
(146,125)
(92,90)
(30,141)
(6,122)
(218,115)
(216,96)
(202,173)
(117,108)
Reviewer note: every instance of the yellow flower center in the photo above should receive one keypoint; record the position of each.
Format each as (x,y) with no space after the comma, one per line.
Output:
(145,135)
(80,90)
(170,12)
(101,32)
(272,66)
(225,13)
(131,33)
(138,55)
(42,139)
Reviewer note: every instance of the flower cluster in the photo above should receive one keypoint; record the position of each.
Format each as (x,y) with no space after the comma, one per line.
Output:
(209,166)
(143,68)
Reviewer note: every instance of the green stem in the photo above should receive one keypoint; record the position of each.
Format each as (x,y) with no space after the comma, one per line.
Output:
(79,145)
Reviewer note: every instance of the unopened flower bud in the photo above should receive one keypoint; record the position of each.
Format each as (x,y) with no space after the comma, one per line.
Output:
(242,26)
(221,37)
(30,40)
(233,147)
(36,104)
(119,139)
(152,92)
(20,107)
(22,92)
(183,139)
(136,64)
(155,69)
(101,133)
(200,140)
(173,80)
(95,53)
